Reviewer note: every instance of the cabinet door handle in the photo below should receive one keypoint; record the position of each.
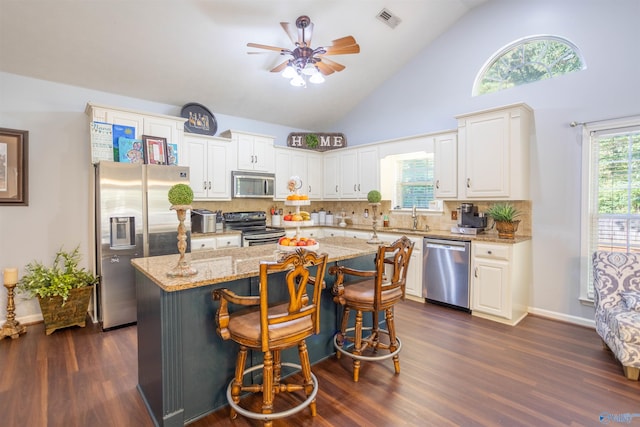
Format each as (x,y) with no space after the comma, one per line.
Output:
(475,272)
(256,159)
(468,182)
(354,188)
(336,188)
(489,252)
(309,188)
(438,184)
(204,185)
(358,187)
(209,185)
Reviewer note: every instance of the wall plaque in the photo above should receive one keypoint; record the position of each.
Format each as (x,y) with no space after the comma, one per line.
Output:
(316,141)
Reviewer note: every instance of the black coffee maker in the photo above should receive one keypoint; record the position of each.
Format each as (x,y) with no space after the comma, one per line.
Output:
(469,217)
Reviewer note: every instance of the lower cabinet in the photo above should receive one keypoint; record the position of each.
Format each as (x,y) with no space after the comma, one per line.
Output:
(220,242)
(500,280)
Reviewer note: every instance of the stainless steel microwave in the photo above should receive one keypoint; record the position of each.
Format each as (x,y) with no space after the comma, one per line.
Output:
(253,184)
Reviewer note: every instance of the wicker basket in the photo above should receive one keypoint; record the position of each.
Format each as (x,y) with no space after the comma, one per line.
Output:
(72,313)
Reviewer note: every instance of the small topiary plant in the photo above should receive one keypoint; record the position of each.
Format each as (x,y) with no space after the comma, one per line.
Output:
(180,194)
(374,196)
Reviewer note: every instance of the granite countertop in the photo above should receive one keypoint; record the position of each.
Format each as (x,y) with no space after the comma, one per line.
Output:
(490,236)
(237,263)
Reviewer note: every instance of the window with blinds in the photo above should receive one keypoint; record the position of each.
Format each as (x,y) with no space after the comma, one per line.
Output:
(414,180)
(613,222)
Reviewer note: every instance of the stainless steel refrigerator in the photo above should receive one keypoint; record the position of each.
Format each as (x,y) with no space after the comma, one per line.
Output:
(133,220)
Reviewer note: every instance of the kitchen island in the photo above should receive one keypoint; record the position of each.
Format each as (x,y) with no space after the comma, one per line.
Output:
(183,365)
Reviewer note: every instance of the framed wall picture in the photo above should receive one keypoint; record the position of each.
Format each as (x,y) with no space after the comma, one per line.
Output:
(155,150)
(14,171)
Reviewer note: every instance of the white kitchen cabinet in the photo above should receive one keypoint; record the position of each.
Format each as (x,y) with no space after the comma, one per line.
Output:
(494,153)
(303,163)
(254,152)
(500,280)
(414,274)
(446,165)
(351,173)
(208,159)
(333,232)
(169,127)
(219,242)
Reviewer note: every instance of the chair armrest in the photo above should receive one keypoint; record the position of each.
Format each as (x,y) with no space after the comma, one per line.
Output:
(225,296)
(338,286)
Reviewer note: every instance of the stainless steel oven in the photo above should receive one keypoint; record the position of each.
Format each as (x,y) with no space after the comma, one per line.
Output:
(253,225)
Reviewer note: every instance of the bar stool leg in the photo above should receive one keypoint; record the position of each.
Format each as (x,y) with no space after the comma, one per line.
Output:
(306,372)
(357,347)
(393,342)
(236,388)
(343,328)
(267,385)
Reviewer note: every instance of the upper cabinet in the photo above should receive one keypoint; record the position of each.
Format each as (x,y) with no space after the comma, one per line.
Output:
(209,159)
(255,152)
(351,173)
(305,164)
(169,127)
(446,165)
(494,153)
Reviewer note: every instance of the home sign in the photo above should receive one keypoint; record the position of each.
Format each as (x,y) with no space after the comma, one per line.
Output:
(316,141)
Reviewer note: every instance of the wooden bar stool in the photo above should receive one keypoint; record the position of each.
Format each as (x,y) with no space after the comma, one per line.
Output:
(374,291)
(270,328)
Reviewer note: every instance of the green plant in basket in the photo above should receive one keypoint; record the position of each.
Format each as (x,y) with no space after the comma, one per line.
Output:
(503,212)
(58,279)
(180,194)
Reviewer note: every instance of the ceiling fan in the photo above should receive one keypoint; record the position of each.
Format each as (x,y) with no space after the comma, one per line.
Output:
(307,62)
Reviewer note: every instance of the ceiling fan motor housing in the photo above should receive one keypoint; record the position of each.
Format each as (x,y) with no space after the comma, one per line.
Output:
(303,22)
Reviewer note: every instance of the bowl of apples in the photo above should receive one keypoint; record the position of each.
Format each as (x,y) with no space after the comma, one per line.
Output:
(289,244)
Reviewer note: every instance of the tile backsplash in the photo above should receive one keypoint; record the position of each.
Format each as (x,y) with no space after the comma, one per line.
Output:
(355,211)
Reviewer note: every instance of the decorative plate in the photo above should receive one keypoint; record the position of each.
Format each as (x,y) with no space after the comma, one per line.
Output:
(199,119)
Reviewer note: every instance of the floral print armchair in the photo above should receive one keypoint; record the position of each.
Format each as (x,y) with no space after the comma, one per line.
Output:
(616,281)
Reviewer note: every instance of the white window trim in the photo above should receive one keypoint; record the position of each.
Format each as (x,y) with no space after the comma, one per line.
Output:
(585,242)
(508,47)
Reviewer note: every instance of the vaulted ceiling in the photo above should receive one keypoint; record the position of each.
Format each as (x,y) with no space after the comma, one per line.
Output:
(181,51)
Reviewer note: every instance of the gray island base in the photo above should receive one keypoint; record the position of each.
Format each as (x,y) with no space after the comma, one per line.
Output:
(183,365)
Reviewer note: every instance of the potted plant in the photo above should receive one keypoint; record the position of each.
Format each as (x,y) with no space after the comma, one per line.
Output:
(63,289)
(180,196)
(504,216)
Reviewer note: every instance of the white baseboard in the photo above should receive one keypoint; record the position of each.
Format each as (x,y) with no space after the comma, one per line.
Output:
(563,317)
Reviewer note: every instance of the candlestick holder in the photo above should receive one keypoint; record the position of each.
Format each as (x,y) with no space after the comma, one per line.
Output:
(183,268)
(11,328)
(374,238)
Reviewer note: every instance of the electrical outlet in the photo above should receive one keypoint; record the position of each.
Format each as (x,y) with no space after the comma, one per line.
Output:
(454,215)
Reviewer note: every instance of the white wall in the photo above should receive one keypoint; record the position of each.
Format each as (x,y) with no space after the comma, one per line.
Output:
(426,95)
(59,170)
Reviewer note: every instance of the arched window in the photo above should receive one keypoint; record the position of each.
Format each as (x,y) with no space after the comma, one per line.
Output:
(528,60)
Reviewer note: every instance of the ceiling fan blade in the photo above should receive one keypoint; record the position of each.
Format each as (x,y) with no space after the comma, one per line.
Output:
(280,67)
(273,48)
(324,68)
(332,64)
(344,41)
(330,50)
(290,31)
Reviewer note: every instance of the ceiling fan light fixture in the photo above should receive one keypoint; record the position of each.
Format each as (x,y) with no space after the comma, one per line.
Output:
(289,72)
(297,81)
(317,78)
(309,70)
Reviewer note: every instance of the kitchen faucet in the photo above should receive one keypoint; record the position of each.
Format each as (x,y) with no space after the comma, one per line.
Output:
(415,218)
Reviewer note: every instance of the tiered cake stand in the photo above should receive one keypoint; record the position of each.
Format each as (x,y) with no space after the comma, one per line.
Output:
(298,225)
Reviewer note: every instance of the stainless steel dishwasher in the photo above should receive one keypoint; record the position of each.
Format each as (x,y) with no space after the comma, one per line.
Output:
(446,272)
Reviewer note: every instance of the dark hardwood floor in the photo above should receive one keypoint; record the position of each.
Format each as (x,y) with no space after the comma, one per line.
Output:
(456,370)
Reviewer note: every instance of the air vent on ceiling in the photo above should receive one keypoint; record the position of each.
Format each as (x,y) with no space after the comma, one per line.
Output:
(389,18)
